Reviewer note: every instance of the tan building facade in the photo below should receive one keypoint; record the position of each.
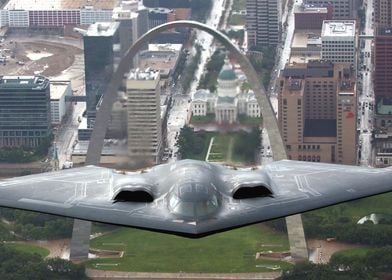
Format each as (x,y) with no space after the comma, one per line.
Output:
(317,112)
(144,115)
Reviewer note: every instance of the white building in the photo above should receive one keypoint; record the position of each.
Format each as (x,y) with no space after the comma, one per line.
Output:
(338,41)
(227,103)
(58,107)
(144,116)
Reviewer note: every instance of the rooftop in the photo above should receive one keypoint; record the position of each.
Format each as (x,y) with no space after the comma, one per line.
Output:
(102,29)
(140,75)
(24,82)
(383,108)
(310,9)
(165,47)
(57,89)
(295,85)
(110,147)
(60,4)
(160,10)
(306,38)
(384,32)
(338,28)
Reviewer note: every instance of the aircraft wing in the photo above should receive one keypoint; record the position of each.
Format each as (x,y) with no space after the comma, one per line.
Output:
(298,187)
(89,193)
(86,193)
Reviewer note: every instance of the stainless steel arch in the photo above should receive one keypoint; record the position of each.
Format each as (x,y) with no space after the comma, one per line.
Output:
(103,115)
(80,237)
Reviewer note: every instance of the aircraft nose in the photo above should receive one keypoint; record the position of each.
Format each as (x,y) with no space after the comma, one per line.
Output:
(193,201)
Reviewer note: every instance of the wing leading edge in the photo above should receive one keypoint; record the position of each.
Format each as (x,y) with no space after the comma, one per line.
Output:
(86,193)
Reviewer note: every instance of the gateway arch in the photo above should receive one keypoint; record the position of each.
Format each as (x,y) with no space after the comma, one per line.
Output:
(81,230)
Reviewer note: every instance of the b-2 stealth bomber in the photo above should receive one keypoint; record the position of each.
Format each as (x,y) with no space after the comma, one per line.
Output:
(192,198)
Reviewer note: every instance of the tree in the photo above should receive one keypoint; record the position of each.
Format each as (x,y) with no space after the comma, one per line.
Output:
(20,265)
(189,143)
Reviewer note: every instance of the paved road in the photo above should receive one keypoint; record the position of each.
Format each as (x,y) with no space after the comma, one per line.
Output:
(180,112)
(100,274)
(366,95)
(283,56)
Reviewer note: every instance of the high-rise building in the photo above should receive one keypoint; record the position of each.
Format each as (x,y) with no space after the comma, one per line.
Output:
(341,9)
(383,13)
(309,17)
(382,63)
(128,27)
(144,115)
(99,63)
(317,111)
(262,22)
(24,110)
(339,41)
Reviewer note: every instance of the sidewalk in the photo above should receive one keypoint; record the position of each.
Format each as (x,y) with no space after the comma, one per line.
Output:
(101,274)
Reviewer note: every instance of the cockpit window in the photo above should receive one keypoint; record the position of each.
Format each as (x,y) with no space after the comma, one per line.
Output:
(193,201)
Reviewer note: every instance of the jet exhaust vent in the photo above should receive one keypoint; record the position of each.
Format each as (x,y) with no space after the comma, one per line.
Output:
(133,196)
(245,192)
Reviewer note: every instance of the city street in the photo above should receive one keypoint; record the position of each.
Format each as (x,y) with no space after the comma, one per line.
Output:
(366,104)
(67,132)
(283,56)
(180,112)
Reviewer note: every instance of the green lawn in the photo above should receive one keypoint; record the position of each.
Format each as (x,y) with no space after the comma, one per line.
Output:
(232,251)
(239,5)
(28,248)
(237,19)
(223,148)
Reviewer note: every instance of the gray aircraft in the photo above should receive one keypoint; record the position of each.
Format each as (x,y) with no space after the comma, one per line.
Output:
(192,198)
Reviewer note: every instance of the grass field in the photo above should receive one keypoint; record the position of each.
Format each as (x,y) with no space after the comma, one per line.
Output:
(237,20)
(223,148)
(28,248)
(232,251)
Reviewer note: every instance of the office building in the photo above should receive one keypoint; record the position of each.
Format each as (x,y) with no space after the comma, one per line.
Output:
(99,44)
(339,41)
(262,22)
(55,13)
(317,111)
(128,27)
(59,90)
(144,115)
(382,63)
(341,9)
(308,17)
(383,13)
(24,110)
(305,46)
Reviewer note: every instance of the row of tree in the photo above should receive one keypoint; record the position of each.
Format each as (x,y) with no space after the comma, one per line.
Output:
(346,230)
(342,267)
(214,66)
(191,144)
(190,69)
(18,265)
(265,65)
(37,226)
(25,154)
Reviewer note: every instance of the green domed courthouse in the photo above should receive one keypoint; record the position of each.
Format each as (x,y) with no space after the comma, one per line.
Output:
(227,102)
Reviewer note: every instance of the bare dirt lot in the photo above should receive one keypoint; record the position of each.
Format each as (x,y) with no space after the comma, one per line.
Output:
(36,57)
